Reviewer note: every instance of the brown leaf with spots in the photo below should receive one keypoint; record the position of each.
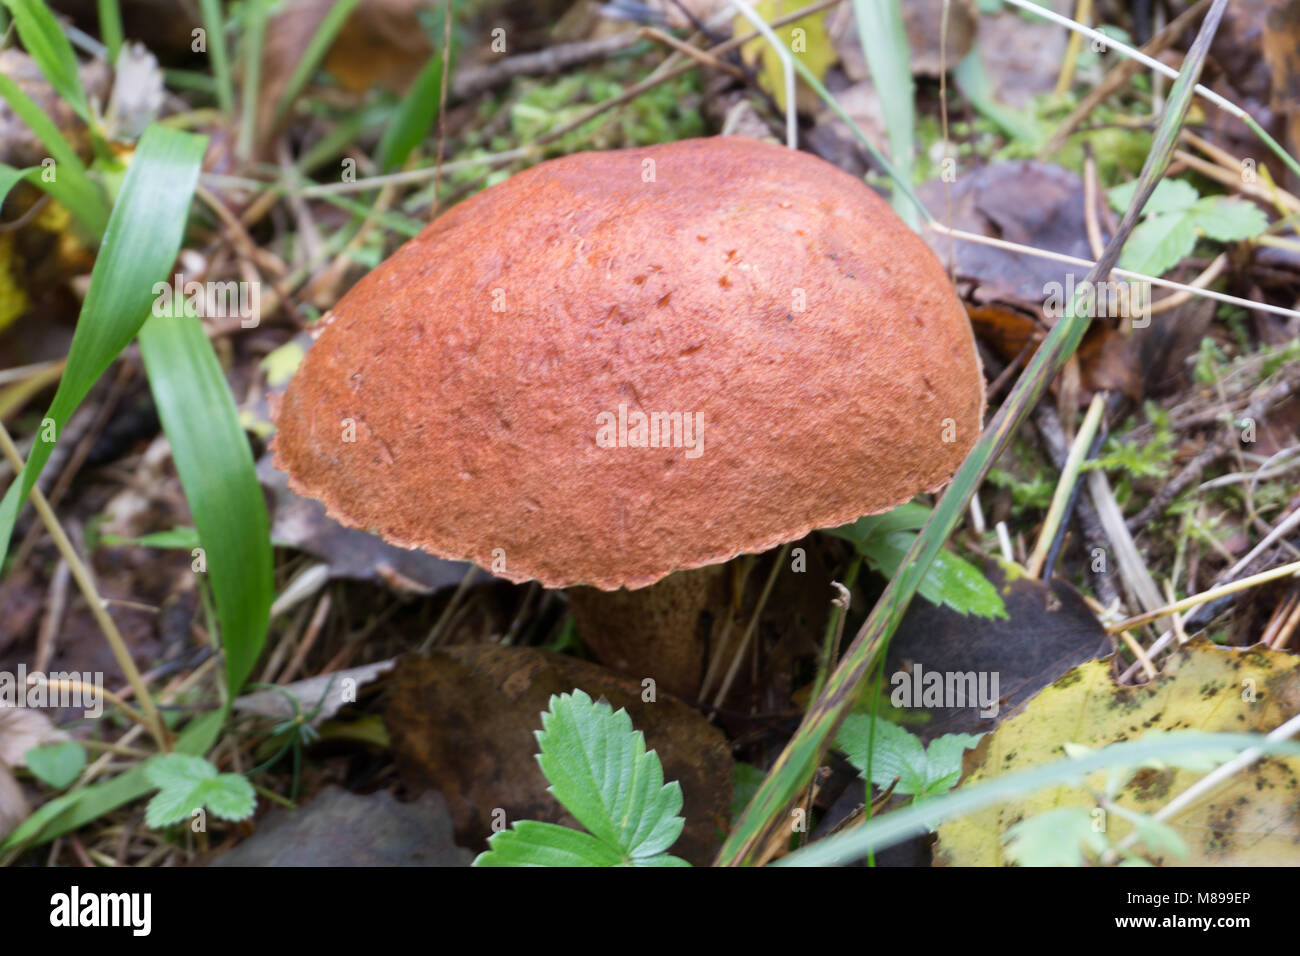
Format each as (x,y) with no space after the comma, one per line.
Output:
(462,722)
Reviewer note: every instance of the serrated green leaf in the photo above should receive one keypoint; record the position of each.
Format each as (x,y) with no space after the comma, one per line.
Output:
(943,758)
(229,796)
(950,580)
(169,807)
(1170,195)
(1175,216)
(883,541)
(1226,219)
(187,783)
(56,765)
(909,517)
(600,771)
(1055,838)
(174,771)
(896,753)
(1158,244)
(533,843)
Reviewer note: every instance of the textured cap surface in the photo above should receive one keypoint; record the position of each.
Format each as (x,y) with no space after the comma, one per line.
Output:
(799,352)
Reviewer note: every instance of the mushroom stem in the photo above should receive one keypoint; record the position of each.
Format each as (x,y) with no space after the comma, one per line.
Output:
(661,632)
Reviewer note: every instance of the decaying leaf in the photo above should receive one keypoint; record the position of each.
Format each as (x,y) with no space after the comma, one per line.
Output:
(1027,202)
(462,722)
(1254,819)
(324,693)
(1047,630)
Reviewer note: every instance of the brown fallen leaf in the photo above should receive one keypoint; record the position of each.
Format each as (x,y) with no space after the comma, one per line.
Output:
(21,729)
(1025,201)
(462,722)
(1048,630)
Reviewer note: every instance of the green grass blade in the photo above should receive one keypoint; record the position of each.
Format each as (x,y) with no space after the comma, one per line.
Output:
(216,470)
(414,119)
(110,27)
(143,236)
(70,185)
(215,29)
(348,129)
(973,80)
(9,177)
(254,35)
(917,819)
(798,761)
(884,42)
(47,44)
(317,47)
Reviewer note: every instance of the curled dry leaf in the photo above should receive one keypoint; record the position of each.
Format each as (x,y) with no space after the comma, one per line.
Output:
(329,692)
(21,729)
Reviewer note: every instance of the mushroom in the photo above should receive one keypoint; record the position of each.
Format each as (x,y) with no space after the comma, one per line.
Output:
(618,365)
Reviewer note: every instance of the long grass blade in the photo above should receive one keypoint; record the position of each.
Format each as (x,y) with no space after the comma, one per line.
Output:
(67,180)
(216,470)
(255,12)
(140,244)
(884,42)
(414,119)
(215,39)
(110,27)
(798,761)
(48,45)
(317,47)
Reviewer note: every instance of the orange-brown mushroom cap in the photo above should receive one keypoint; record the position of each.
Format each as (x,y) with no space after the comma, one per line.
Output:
(477,394)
